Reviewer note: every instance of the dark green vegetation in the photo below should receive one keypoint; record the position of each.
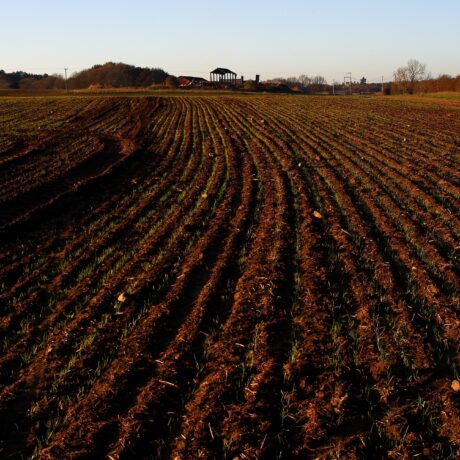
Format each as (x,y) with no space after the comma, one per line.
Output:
(107,75)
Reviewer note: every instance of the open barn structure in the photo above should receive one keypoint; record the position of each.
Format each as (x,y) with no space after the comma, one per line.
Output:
(223,76)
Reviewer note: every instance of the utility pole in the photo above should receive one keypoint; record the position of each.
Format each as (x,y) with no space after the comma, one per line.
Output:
(66,88)
(347,77)
(382,84)
(333,87)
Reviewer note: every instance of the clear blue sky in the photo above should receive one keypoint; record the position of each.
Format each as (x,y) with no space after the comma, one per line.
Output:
(272,38)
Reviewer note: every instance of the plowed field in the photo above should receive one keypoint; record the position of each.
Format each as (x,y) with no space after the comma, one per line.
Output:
(233,277)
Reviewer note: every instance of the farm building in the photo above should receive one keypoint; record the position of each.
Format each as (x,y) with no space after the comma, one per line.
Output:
(191,81)
(223,76)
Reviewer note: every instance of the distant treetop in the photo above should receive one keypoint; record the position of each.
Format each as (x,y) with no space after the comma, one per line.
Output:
(105,75)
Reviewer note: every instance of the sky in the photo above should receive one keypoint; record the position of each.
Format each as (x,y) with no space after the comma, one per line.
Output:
(271,38)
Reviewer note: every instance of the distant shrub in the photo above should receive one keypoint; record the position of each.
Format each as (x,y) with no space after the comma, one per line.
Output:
(171,81)
(250,85)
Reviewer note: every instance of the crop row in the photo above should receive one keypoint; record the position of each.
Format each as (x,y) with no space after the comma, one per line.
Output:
(251,277)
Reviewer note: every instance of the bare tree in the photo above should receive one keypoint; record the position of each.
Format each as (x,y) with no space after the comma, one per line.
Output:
(318,80)
(292,80)
(407,76)
(304,80)
(318,84)
(401,79)
(415,72)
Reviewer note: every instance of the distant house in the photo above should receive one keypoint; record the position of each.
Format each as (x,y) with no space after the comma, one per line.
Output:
(223,76)
(191,81)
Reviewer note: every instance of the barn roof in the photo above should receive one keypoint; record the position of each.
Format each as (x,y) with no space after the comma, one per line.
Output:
(222,71)
(188,77)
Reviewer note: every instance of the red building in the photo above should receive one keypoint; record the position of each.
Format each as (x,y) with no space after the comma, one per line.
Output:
(191,81)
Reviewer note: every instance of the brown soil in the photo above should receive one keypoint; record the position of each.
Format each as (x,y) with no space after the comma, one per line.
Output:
(241,278)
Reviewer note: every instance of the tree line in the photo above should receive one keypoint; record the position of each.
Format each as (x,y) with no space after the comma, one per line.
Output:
(409,79)
(319,85)
(111,74)
(305,83)
(413,78)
